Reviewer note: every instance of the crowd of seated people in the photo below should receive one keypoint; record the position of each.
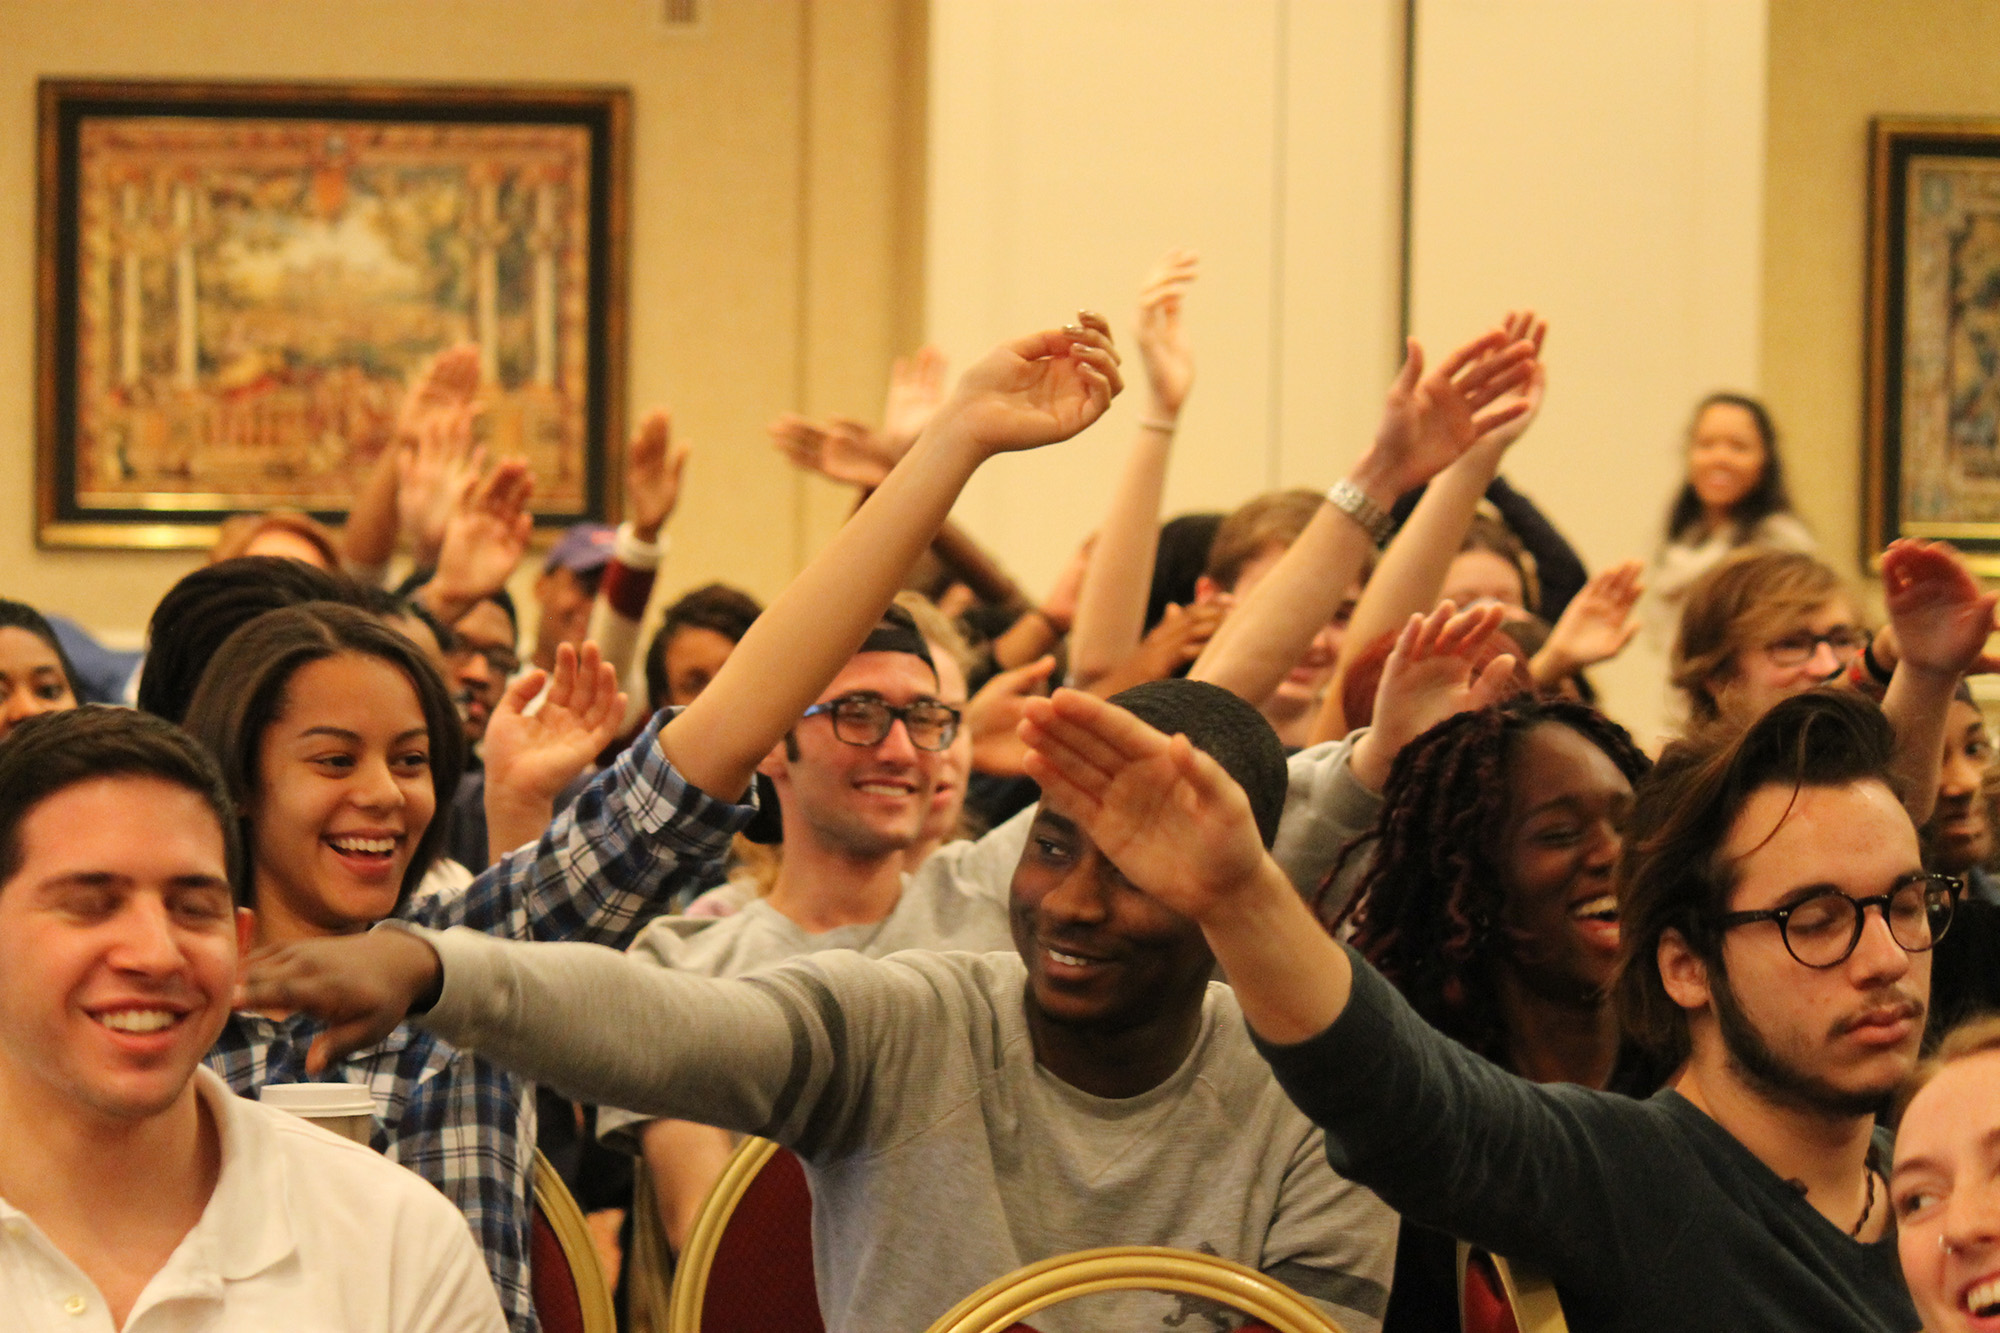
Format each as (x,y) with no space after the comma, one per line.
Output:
(1271,888)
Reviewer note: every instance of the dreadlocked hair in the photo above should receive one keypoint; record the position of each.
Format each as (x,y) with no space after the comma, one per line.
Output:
(1427,912)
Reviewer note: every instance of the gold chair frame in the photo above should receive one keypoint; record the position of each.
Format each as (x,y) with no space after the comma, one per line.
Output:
(586,1267)
(1008,1300)
(698,1256)
(1530,1294)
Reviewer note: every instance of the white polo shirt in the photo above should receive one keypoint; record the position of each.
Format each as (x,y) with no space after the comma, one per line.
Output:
(305,1232)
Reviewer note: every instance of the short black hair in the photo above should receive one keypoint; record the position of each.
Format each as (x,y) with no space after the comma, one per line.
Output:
(1226,729)
(48,753)
(205,608)
(1672,875)
(715,606)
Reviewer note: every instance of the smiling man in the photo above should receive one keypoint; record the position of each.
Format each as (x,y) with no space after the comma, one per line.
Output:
(959,1115)
(136,1191)
(1777,923)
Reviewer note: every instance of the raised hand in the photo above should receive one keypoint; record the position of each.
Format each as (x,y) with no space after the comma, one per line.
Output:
(654,463)
(1428,421)
(1162,337)
(1178,639)
(433,469)
(1428,678)
(839,450)
(1161,811)
(1520,326)
(484,539)
(993,717)
(1941,616)
(916,389)
(532,756)
(1038,389)
(1595,626)
(361,986)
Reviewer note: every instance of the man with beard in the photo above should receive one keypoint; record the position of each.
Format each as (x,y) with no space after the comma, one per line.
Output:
(1778,921)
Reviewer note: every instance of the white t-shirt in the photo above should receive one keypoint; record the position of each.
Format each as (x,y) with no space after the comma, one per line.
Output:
(305,1232)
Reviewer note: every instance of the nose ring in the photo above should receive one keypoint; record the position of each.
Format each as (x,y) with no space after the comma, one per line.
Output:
(1944,1244)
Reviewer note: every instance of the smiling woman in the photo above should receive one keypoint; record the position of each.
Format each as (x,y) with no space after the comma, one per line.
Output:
(1945,1186)
(339,742)
(1489,904)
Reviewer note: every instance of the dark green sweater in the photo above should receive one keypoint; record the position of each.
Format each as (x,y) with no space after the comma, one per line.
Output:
(1647,1214)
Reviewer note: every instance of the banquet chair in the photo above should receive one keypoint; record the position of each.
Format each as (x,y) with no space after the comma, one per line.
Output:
(1003,1304)
(567,1278)
(748,1263)
(1496,1295)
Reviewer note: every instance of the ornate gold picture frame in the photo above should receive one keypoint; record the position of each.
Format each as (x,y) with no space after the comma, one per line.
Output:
(236,281)
(1933,387)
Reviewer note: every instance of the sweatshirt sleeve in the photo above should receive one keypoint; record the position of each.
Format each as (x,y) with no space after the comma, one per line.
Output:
(750,1054)
(1326,808)
(1454,1142)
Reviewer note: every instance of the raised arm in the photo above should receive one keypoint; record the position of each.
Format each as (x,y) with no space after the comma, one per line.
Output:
(1411,573)
(400,496)
(654,464)
(1111,605)
(485,537)
(1034,391)
(1428,423)
(1942,620)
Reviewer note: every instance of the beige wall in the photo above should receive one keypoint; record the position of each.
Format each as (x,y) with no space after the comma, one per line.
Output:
(1833,66)
(1601,160)
(1265,134)
(776,187)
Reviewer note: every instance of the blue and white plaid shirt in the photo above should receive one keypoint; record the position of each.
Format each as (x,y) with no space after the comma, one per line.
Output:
(637,835)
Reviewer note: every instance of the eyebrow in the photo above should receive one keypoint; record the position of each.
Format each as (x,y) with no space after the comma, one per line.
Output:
(105,879)
(1063,823)
(342,733)
(1989,1142)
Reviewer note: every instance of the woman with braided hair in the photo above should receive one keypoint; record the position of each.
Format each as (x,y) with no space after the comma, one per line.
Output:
(1489,903)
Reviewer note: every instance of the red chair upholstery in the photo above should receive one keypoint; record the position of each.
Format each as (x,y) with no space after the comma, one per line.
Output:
(566,1280)
(557,1304)
(760,1277)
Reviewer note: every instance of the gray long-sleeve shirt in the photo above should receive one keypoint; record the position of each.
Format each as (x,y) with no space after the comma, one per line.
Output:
(941,1155)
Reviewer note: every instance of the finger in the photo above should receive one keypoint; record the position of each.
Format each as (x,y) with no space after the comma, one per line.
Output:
(1057,790)
(564,682)
(1061,768)
(1076,745)
(1090,319)
(1495,684)
(613,716)
(1471,352)
(1407,378)
(1488,422)
(523,691)
(582,696)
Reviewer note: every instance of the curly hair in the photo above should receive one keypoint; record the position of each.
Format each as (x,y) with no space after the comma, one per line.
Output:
(1426,913)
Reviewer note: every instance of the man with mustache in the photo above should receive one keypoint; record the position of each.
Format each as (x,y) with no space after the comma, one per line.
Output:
(1778,924)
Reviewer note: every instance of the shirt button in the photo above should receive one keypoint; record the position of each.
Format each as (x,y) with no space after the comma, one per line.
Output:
(75,1305)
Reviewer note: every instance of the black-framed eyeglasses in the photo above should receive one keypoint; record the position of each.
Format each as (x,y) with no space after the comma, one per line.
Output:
(865,719)
(1822,928)
(1798,649)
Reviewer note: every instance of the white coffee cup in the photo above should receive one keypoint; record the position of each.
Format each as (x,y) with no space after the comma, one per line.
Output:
(345,1108)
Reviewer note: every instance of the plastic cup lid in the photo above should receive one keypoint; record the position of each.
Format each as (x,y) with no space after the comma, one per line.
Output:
(322,1099)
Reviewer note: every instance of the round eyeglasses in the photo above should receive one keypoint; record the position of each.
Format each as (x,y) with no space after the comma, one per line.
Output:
(1822,928)
(865,719)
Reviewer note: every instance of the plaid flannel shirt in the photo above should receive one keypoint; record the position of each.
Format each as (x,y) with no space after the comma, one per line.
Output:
(638,834)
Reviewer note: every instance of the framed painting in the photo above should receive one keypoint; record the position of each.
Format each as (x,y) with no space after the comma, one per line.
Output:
(1933,384)
(237,282)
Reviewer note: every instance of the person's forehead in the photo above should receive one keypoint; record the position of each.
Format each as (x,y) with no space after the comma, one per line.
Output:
(21,647)
(894,676)
(145,829)
(1857,837)
(951,684)
(486,625)
(1961,1104)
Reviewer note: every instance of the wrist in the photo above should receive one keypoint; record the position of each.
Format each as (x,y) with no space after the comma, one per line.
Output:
(1157,416)
(637,547)
(1060,624)
(1369,515)
(1376,478)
